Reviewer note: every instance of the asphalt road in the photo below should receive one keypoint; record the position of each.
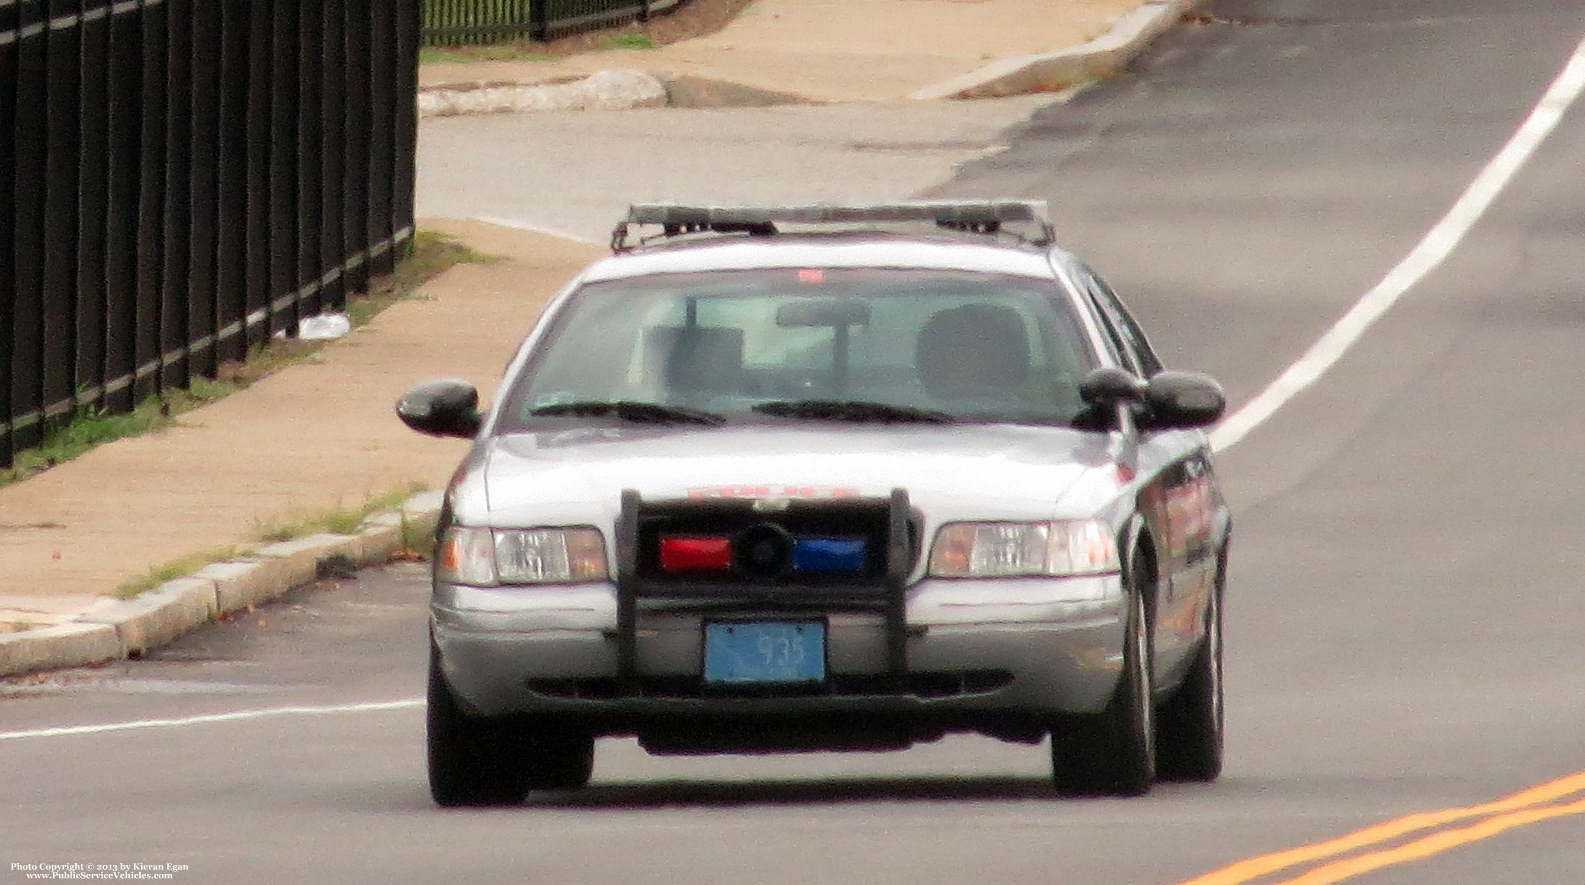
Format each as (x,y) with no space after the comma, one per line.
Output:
(1404,618)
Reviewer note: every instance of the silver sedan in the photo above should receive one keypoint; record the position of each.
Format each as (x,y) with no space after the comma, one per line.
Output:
(798,478)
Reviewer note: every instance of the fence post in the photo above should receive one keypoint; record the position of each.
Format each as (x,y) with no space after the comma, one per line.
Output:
(404,168)
(203,315)
(9,223)
(359,99)
(63,106)
(148,328)
(175,327)
(539,19)
(260,128)
(231,189)
(26,355)
(283,172)
(383,101)
(333,157)
(122,209)
(93,290)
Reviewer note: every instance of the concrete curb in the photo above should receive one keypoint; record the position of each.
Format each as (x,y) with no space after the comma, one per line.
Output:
(604,91)
(127,628)
(626,89)
(1049,72)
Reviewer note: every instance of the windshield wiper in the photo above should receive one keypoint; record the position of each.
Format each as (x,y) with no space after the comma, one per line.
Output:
(628,410)
(852,410)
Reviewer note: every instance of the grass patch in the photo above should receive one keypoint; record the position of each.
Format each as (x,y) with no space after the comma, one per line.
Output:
(432,254)
(338,520)
(177,568)
(89,426)
(489,52)
(628,41)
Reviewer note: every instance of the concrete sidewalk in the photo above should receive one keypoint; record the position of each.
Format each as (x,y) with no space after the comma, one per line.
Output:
(826,51)
(322,435)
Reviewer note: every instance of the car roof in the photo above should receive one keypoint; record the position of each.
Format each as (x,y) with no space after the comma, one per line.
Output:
(854,249)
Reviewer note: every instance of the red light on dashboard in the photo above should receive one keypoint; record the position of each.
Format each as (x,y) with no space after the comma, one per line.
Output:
(681,554)
(811,276)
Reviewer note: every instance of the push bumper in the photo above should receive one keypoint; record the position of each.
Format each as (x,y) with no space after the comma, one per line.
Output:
(1018,646)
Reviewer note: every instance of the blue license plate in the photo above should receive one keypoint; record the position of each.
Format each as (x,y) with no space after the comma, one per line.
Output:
(740,652)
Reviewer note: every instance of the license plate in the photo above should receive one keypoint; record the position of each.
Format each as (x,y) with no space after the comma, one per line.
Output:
(740,652)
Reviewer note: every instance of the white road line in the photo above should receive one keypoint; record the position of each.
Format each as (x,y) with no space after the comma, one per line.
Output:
(239,716)
(1429,254)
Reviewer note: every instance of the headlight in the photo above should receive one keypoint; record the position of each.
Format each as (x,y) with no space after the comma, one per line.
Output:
(1007,549)
(486,557)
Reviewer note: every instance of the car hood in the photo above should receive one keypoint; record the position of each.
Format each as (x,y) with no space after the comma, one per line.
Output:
(949,472)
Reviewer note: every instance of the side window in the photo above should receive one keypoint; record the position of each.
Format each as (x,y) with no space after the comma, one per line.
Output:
(1121,325)
(1114,337)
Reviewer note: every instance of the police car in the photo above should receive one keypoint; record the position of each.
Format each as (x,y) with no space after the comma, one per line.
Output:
(791,478)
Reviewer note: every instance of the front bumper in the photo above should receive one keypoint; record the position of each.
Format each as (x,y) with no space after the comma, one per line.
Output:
(1031,647)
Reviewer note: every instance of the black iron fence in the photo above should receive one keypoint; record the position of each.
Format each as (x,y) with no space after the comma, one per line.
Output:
(455,22)
(181,179)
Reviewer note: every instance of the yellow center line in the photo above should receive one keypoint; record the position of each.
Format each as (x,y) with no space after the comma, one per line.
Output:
(1434,844)
(1253,868)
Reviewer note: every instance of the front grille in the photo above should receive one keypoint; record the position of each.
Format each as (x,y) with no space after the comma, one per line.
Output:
(945,684)
(762,544)
(743,553)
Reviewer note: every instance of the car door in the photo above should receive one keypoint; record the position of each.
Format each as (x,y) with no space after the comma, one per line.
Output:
(1173,498)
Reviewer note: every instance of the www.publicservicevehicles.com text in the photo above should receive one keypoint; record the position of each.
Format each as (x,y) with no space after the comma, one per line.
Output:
(120,871)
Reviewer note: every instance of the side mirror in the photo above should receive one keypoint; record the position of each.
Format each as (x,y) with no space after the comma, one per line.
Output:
(1108,386)
(1179,400)
(447,407)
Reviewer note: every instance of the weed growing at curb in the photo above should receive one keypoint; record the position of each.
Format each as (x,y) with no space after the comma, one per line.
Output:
(178,568)
(417,546)
(338,520)
(89,426)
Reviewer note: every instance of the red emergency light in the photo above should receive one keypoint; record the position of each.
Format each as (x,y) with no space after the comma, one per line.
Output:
(694,554)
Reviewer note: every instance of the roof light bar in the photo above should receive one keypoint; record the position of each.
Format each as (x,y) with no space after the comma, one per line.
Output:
(976,216)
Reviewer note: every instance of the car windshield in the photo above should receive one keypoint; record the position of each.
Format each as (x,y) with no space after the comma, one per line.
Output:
(811,344)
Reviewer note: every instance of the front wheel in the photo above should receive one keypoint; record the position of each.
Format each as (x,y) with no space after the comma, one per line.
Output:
(1114,752)
(473,760)
(559,758)
(1189,729)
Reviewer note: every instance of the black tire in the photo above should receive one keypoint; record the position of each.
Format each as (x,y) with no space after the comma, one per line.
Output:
(1113,753)
(558,758)
(473,760)
(1189,726)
